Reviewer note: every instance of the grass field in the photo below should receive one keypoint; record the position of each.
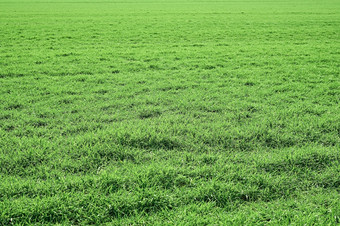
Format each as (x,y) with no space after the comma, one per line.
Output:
(169,112)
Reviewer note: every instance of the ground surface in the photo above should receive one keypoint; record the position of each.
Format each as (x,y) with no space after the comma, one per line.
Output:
(185,112)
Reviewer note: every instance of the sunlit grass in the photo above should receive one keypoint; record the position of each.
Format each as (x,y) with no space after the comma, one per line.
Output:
(165,112)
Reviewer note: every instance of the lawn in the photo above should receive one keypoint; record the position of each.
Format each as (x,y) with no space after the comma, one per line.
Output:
(170,112)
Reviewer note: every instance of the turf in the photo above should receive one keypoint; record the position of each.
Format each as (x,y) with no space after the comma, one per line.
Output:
(169,112)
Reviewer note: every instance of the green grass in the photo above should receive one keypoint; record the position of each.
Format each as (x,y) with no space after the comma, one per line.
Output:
(169,112)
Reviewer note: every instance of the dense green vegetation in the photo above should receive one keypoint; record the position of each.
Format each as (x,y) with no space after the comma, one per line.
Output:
(169,112)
